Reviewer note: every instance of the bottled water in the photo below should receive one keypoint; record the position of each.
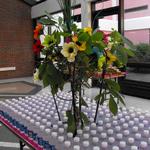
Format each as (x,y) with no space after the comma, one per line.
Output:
(37,117)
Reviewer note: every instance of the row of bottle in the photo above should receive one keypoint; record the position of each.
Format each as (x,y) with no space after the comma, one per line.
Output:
(128,126)
(83,140)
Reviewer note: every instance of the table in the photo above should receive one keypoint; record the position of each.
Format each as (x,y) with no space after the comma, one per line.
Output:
(23,138)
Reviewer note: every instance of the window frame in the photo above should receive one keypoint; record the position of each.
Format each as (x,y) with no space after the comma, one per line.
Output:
(128,86)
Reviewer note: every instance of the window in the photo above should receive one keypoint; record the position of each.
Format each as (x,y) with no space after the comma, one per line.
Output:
(136,29)
(104,4)
(136,9)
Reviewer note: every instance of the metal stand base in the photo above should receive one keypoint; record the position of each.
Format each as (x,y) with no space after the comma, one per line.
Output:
(22,145)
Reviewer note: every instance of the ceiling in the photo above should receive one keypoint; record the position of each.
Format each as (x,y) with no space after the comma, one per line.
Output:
(33,2)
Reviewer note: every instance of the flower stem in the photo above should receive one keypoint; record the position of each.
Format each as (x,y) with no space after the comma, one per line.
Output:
(73,98)
(56,108)
(80,104)
(100,92)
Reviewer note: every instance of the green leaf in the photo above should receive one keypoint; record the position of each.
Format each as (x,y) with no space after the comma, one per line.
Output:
(122,56)
(113,106)
(57,36)
(46,78)
(113,84)
(97,97)
(74,27)
(56,80)
(100,45)
(50,69)
(116,36)
(42,70)
(54,89)
(98,36)
(48,15)
(86,84)
(102,99)
(85,118)
(60,20)
(71,122)
(88,49)
(65,34)
(129,52)
(83,102)
(47,21)
(128,43)
(83,37)
(118,96)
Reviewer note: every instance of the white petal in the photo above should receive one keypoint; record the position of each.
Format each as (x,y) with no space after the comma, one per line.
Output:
(65,53)
(71,59)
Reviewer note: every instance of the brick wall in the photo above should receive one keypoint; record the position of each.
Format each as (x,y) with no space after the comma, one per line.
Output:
(16,38)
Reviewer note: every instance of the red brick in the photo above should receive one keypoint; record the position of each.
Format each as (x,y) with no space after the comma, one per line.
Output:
(16,39)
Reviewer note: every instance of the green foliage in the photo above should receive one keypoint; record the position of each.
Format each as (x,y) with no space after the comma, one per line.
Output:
(128,43)
(71,122)
(113,106)
(47,21)
(129,52)
(51,76)
(112,84)
(83,103)
(98,36)
(97,97)
(143,52)
(100,98)
(121,51)
(114,88)
(46,80)
(84,37)
(74,27)
(84,118)
(60,20)
(88,49)
(122,55)
(42,69)
(116,37)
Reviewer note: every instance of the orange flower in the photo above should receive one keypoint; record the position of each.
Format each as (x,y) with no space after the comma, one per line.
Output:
(39,27)
(37,30)
(37,47)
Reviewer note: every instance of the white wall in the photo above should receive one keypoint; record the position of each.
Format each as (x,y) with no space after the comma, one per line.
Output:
(137,23)
(129,24)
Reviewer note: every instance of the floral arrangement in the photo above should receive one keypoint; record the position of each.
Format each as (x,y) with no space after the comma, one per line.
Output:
(85,54)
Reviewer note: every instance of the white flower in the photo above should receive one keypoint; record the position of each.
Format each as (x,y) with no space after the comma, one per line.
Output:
(69,51)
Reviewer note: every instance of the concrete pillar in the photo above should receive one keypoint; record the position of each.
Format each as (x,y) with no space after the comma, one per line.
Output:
(86,13)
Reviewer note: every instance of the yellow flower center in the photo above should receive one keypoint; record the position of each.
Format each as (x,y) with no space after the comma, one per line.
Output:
(70,50)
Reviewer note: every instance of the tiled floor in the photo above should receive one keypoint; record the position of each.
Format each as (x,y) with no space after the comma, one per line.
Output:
(9,142)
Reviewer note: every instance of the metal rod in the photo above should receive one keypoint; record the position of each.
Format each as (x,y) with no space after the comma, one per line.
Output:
(21,145)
